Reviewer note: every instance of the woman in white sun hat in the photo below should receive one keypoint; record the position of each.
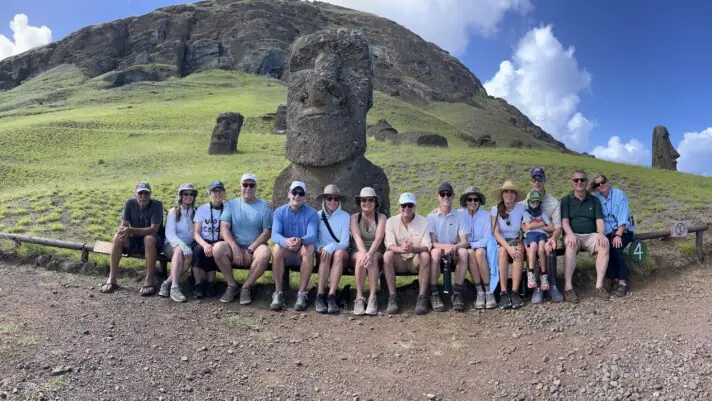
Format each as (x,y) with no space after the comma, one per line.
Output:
(368,228)
(179,240)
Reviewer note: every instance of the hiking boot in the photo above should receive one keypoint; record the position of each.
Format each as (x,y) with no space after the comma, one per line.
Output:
(537,296)
(199,291)
(457,302)
(621,289)
(393,307)
(165,290)
(603,294)
(531,279)
(333,307)
(505,301)
(177,294)
(544,282)
(555,294)
(481,300)
(372,309)
(570,296)
(360,306)
(421,304)
(490,302)
(210,291)
(517,301)
(301,303)
(245,296)
(229,295)
(319,303)
(277,301)
(436,302)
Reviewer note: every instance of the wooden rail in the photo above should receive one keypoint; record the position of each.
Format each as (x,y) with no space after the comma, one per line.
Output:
(699,231)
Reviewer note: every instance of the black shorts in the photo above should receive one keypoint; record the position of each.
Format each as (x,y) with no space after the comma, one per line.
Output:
(136,246)
(202,261)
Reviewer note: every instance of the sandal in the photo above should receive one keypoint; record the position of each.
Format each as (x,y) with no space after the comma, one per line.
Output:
(147,290)
(108,288)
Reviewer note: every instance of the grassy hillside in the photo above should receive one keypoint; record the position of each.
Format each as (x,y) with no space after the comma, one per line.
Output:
(71,151)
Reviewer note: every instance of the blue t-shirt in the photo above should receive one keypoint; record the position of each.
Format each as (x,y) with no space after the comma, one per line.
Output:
(247,220)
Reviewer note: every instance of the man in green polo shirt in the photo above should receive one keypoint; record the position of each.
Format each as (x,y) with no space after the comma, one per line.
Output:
(582,221)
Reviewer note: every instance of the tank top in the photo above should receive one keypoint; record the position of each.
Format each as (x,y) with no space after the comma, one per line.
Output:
(368,236)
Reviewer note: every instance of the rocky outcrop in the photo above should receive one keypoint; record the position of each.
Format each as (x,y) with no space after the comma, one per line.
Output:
(420,139)
(225,134)
(139,73)
(382,131)
(664,154)
(484,141)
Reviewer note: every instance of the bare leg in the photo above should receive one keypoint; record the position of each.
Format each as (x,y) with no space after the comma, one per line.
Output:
(435,255)
(339,258)
(503,266)
(373,274)
(198,275)
(389,271)
(483,266)
(531,255)
(278,266)
(324,269)
(359,272)
(601,264)
(260,259)
(307,266)
(542,257)
(517,269)
(570,265)
(222,253)
(461,269)
(151,253)
(176,266)
(424,272)
(116,251)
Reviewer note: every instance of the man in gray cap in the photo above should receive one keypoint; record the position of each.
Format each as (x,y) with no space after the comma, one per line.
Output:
(448,234)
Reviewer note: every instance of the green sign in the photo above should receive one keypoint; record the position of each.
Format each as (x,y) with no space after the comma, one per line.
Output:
(638,251)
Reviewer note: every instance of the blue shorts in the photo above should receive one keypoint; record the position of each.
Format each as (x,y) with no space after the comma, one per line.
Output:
(535,237)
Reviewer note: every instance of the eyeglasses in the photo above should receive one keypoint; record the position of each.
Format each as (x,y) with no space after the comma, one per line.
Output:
(368,200)
(297,192)
(473,200)
(408,205)
(599,184)
(249,184)
(445,194)
(579,180)
(537,180)
(330,198)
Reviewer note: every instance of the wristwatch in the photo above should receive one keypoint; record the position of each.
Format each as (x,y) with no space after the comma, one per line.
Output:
(248,250)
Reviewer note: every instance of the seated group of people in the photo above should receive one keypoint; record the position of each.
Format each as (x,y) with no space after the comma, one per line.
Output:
(222,235)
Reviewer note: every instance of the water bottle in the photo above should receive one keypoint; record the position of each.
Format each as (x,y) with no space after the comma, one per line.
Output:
(447,273)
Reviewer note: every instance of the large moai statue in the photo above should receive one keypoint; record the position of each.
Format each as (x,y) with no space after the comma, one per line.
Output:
(664,154)
(226,133)
(330,92)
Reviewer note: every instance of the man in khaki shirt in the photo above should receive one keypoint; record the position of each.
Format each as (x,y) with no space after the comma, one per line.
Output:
(407,250)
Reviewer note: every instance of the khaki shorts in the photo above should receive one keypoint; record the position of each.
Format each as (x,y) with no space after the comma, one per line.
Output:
(587,242)
(406,265)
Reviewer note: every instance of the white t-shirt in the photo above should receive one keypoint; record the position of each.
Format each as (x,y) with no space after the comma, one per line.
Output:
(210,224)
(511,230)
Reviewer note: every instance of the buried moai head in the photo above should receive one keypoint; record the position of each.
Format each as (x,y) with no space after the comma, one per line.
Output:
(664,154)
(330,92)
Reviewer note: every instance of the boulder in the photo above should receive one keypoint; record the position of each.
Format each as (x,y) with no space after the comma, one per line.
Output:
(382,131)
(350,176)
(664,154)
(226,133)
(484,141)
(420,139)
(280,120)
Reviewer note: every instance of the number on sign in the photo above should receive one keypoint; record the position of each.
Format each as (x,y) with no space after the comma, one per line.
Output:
(638,251)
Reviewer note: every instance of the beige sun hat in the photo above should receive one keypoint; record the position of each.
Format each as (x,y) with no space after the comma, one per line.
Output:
(367,192)
(331,190)
(508,185)
(473,190)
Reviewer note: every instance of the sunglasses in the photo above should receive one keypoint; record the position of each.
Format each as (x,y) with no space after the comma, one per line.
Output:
(538,180)
(408,205)
(188,194)
(473,200)
(599,184)
(445,194)
(330,198)
(297,192)
(249,184)
(368,200)
(579,180)
(144,193)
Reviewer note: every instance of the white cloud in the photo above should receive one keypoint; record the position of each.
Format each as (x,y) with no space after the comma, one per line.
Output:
(25,37)
(543,80)
(448,23)
(696,152)
(633,152)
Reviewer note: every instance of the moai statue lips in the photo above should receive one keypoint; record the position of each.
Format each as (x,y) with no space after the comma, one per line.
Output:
(330,93)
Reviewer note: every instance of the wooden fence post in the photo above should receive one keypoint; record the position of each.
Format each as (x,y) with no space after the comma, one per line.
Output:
(699,241)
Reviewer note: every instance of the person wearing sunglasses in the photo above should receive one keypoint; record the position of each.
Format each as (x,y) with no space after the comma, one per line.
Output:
(179,241)
(507,219)
(619,230)
(407,250)
(480,226)
(584,228)
(368,228)
(245,228)
(206,232)
(295,228)
(448,234)
(332,242)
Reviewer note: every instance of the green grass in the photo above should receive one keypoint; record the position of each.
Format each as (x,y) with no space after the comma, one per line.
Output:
(67,164)
(240,323)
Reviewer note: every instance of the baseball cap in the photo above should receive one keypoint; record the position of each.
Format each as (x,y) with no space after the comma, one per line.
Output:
(537,171)
(445,186)
(534,196)
(247,177)
(215,184)
(406,197)
(298,184)
(142,186)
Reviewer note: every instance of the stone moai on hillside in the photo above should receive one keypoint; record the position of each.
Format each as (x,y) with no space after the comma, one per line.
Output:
(664,154)
(280,120)
(226,133)
(330,90)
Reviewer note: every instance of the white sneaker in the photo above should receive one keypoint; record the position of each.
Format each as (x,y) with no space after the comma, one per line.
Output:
(359,306)
(165,290)
(480,301)
(490,302)
(372,308)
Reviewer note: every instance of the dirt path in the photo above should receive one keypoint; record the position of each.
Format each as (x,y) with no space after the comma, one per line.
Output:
(61,339)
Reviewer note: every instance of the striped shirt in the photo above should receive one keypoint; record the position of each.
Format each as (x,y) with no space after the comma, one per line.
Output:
(615,210)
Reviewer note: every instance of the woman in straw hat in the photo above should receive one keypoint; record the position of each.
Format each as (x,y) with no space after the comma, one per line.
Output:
(507,220)
(368,228)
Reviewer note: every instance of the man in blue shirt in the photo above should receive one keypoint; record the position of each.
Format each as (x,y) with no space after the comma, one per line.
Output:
(618,229)
(245,227)
(294,233)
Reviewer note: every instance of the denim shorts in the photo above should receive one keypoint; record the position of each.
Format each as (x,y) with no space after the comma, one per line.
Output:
(535,237)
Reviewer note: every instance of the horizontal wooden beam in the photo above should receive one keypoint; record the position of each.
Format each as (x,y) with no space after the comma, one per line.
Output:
(665,234)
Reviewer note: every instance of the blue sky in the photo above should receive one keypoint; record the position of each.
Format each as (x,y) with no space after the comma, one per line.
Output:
(636,63)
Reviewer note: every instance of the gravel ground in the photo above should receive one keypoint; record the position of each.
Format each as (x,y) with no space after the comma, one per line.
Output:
(60,339)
